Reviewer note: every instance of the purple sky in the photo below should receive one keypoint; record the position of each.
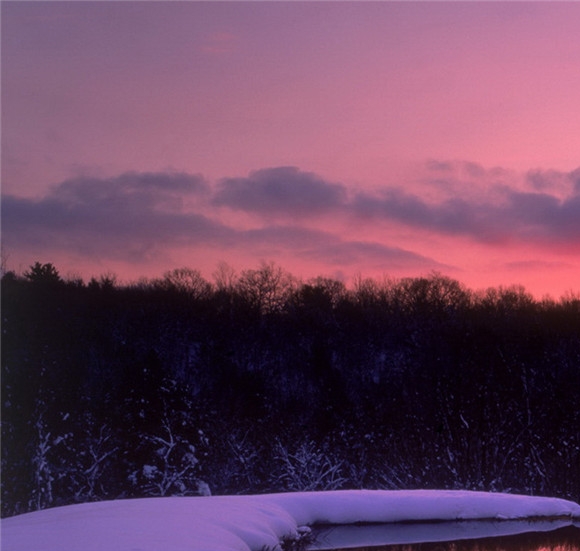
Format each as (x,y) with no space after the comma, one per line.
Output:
(332,138)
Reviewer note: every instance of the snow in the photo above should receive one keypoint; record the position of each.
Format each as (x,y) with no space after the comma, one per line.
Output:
(252,523)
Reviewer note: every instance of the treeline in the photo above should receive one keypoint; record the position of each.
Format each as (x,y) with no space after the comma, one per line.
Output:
(259,382)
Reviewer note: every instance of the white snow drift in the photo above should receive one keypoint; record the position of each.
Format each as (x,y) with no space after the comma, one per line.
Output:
(244,523)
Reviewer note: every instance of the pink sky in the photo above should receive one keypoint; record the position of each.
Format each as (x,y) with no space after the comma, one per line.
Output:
(332,138)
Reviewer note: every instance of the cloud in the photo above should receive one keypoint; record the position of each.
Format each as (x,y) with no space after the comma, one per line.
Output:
(497,211)
(373,255)
(127,216)
(131,190)
(280,191)
(138,217)
(143,217)
(549,181)
(450,216)
(327,247)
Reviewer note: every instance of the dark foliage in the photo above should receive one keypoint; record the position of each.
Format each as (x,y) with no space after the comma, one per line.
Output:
(260,383)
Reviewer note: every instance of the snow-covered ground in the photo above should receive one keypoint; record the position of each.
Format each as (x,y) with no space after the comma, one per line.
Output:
(244,523)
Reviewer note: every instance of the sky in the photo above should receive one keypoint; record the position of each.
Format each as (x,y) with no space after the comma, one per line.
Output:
(344,139)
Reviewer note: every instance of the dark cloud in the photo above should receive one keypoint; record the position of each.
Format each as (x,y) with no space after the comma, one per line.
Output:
(541,218)
(282,190)
(497,214)
(530,209)
(127,216)
(566,220)
(575,177)
(540,180)
(554,181)
(451,216)
(131,190)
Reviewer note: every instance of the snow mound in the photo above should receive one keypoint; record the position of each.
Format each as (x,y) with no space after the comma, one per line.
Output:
(350,506)
(251,523)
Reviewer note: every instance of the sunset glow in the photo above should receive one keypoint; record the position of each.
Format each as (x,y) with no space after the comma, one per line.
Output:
(380,139)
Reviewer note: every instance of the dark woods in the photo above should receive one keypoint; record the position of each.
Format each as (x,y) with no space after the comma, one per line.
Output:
(257,382)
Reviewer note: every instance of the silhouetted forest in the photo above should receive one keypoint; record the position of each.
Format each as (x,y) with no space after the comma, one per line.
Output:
(258,382)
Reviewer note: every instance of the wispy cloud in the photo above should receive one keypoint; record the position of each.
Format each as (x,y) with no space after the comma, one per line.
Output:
(337,250)
(536,265)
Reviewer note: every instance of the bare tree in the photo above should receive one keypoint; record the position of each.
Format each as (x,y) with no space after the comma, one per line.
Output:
(267,288)
(224,277)
(188,281)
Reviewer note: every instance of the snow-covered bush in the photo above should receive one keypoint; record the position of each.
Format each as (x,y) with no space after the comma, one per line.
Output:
(170,463)
(306,468)
(93,453)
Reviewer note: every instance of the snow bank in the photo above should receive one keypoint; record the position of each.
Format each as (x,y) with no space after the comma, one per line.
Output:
(153,524)
(350,506)
(250,523)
